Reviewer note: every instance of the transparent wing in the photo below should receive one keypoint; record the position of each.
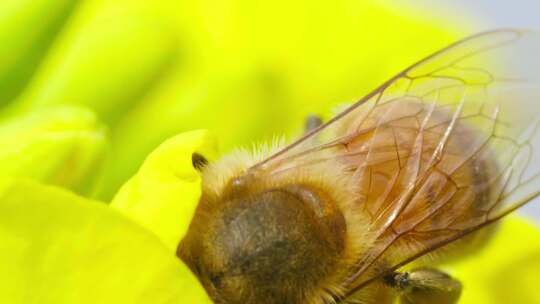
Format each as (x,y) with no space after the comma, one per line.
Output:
(459,122)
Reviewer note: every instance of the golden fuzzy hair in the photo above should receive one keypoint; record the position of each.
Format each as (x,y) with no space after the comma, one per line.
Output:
(329,177)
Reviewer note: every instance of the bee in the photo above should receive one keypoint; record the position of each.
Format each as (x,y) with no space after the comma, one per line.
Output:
(416,173)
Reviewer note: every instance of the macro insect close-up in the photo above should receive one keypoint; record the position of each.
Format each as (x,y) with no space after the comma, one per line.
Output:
(416,173)
(269,152)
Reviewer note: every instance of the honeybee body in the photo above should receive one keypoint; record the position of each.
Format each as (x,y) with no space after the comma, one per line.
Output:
(294,236)
(395,153)
(419,170)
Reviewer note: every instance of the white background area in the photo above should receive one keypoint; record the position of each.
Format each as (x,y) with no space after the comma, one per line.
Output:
(490,14)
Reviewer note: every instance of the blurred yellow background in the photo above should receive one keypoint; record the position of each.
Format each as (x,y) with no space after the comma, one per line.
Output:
(151,69)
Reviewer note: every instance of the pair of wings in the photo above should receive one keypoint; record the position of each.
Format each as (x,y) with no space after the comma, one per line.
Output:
(490,81)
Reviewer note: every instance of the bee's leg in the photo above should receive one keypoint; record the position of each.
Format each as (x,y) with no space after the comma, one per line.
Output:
(198,161)
(425,286)
(312,123)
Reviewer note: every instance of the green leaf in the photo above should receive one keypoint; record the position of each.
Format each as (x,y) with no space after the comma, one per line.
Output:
(59,248)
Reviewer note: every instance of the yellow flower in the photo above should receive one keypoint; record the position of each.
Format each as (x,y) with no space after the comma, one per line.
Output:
(506,271)
(153,196)
(61,248)
(64,146)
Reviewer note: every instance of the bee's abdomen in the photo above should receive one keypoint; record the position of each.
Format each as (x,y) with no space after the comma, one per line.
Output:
(436,172)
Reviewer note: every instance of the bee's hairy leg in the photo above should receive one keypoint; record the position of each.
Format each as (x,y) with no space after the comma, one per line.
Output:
(425,286)
(198,161)
(312,122)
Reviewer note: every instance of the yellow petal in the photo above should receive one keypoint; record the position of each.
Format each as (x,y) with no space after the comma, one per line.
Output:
(163,195)
(507,270)
(63,146)
(58,248)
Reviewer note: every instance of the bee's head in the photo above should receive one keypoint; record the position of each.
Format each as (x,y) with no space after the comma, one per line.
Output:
(265,245)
